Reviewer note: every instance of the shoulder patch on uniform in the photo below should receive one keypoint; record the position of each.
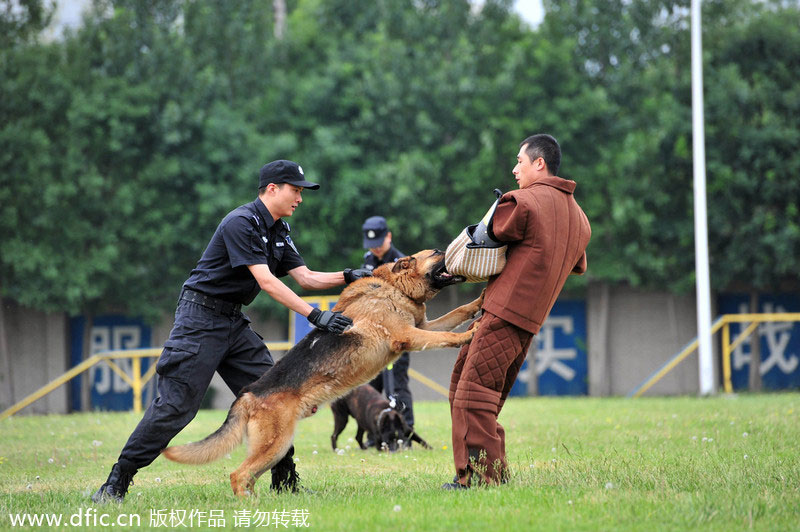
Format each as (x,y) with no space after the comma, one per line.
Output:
(289,241)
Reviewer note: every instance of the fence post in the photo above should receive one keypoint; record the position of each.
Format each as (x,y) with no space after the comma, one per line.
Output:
(726,355)
(137,384)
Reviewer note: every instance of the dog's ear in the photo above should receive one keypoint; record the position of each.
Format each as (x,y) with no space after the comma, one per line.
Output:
(404,264)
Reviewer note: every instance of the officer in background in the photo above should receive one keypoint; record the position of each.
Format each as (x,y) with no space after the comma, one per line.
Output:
(393,380)
(248,252)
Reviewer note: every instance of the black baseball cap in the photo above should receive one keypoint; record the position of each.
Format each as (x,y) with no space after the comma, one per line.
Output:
(374,230)
(282,171)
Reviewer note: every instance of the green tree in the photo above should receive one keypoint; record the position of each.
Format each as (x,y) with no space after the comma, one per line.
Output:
(414,111)
(22,21)
(640,197)
(753,117)
(123,145)
(120,159)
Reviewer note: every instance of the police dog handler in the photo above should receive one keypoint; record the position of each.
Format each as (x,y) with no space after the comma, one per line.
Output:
(393,380)
(547,233)
(249,251)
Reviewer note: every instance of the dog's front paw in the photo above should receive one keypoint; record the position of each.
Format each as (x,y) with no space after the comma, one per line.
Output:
(476,305)
(466,336)
(474,324)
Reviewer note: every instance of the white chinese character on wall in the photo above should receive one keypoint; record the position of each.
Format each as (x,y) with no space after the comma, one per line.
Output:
(547,355)
(777,334)
(104,338)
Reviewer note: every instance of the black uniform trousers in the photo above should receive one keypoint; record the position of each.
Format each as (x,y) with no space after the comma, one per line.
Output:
(395,382)
(201,342)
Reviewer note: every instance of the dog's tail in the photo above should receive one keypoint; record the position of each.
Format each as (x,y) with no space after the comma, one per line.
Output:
(218,444)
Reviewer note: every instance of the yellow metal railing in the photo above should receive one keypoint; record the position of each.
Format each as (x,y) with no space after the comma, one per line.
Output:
(723,322)
(754,319)
(136,380)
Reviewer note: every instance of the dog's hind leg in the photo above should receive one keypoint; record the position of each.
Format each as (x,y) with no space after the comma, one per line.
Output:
(360,438)
(264,454)
(243,481)
(270,433)
(340,418)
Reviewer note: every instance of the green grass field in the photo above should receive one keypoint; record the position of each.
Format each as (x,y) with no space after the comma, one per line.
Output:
(723,463)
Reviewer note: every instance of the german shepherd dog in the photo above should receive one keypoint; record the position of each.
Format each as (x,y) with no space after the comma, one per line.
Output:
(388,313)
(374,415)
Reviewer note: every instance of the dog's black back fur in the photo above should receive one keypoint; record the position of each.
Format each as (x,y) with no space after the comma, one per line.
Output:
(302,361)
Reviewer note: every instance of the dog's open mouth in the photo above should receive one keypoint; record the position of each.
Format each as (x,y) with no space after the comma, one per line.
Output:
(441,277)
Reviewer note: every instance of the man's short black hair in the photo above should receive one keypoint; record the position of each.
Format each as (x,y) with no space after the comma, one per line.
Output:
(546,147)
(264,188)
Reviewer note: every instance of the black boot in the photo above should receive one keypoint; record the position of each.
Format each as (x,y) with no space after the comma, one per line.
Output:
(285,476)
(454,486)
(116,487)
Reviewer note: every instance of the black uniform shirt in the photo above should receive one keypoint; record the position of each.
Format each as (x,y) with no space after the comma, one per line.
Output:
(247,235)
(371,261)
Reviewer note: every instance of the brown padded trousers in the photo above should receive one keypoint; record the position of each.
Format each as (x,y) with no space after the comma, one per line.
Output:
(483,375)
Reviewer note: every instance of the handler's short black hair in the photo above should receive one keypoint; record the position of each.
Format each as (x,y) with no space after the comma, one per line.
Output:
(546,147)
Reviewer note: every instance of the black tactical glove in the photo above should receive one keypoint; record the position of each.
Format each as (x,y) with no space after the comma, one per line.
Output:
(351,275)
(327,320)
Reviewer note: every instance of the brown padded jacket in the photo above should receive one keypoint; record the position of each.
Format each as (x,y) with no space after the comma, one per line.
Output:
(547,233)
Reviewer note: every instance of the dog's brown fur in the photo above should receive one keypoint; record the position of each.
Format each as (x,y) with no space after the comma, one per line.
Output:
(388,313)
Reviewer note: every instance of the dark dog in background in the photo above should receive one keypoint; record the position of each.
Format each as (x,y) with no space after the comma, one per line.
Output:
(376,416)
